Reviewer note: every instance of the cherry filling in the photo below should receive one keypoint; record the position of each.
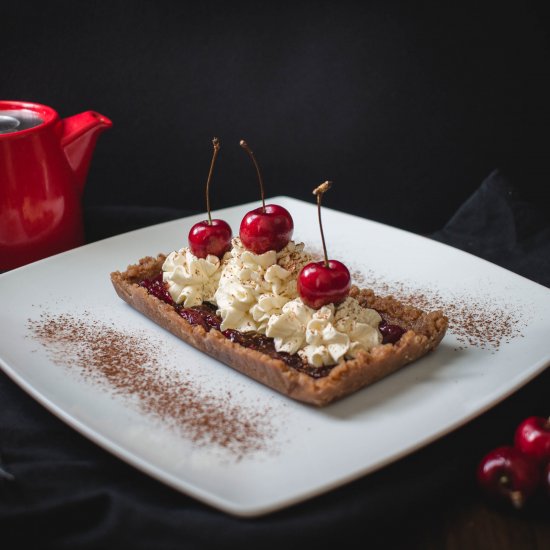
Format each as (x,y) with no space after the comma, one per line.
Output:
(205,316)
(390,333)
(156,287)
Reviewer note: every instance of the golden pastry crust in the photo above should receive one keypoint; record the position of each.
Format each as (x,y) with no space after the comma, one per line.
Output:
(424,332)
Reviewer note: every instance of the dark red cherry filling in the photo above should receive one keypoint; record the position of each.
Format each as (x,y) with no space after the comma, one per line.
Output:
(205,316)
(390,333)
(157,287)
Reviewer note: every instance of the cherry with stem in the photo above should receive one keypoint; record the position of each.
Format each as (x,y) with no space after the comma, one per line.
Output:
(508,475)
(327,281)
(268,227)
(210,236)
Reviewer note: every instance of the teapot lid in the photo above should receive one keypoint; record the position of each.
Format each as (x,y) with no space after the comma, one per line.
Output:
(15,120)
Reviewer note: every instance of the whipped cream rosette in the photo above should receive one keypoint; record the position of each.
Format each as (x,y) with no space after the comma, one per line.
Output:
(258,292)
(327,335)
(253,287)
(191,280)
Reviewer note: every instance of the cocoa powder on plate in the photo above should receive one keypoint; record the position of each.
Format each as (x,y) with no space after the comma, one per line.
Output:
(131,365)
(476,321)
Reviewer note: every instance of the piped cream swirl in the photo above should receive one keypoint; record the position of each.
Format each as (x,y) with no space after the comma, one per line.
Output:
(191,280)
(325,336)
(258,292)
(253,287)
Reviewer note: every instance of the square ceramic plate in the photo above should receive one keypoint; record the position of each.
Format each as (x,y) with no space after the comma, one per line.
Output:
(304,451)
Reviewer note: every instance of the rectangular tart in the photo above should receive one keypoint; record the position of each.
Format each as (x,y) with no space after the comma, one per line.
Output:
(424,332)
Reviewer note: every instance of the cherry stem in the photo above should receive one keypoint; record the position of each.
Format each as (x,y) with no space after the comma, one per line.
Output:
(216,144)
(516,497)
(245,146)
(319,192)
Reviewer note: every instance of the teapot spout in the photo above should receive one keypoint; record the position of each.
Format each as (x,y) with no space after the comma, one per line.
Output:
(78,139)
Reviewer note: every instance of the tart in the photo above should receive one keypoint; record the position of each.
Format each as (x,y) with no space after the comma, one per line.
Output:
(254,355)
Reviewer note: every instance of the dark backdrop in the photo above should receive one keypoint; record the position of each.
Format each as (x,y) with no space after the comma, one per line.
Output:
(405,107)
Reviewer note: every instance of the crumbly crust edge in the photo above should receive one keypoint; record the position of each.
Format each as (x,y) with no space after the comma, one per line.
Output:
(424,332)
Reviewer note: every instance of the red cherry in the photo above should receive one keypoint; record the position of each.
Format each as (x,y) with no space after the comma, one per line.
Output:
(508,475)
(319,284)
(210,238)
(533,438)
(268,228)
(327,281)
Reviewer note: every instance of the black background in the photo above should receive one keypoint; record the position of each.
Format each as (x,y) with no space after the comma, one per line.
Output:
(406,107)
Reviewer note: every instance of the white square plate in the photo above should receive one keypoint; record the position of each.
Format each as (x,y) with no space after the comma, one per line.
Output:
(309,450)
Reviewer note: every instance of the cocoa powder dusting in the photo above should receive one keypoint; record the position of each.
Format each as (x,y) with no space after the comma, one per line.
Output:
(132,366)
(474,320)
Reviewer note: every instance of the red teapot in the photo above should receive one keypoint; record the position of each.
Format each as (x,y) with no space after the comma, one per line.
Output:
(44,161)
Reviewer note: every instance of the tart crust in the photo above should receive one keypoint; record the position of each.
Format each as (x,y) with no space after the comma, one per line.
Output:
(424,332)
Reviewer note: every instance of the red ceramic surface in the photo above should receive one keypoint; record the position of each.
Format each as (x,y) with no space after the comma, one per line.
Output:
(42,174)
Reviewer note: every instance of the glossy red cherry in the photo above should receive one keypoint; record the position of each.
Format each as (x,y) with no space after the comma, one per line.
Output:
(327,281)
(532,437)
(210,236)
(268,227)
(319,285)
(508,475)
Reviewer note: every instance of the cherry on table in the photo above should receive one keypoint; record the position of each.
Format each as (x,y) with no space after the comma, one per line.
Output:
(327,281)
(532,437)
(210,236)
(268,227)
(508,475)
